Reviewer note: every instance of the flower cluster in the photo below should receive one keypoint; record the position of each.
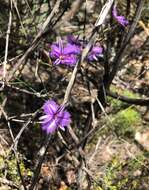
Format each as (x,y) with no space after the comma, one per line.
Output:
(55,116)
(67,52)
(120,19)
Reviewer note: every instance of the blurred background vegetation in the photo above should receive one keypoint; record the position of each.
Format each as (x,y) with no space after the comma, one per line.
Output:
(117,151)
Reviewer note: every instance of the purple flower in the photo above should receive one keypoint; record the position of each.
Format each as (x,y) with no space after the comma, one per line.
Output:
(120,19)
(55,117)
(64,53)
(95,53)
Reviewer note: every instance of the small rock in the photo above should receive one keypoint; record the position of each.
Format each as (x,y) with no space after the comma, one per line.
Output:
(4,187)
(143,139)
(137,173)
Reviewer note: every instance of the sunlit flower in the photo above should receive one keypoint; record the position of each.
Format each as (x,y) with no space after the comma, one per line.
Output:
(55,116)
(68,52)
(64,53)
(120,19)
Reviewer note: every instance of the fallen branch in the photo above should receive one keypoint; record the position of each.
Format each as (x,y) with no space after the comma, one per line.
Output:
(137,101)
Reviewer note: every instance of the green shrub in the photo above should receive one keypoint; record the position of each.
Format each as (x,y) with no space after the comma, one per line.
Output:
(115,175)
(126,121)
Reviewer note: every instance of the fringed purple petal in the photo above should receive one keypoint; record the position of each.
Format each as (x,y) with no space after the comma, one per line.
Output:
(50,107)
(71,49)
(50,127)
(70,60)
(114,11)
(65,119)
(55,51)
(95,52)
(120,19)
(46,118)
